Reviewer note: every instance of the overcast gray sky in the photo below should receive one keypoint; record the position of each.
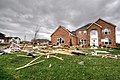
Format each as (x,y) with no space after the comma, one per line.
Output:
(20,17)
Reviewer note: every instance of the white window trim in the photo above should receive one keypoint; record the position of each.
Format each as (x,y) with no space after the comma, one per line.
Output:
(106,30)
(79,32)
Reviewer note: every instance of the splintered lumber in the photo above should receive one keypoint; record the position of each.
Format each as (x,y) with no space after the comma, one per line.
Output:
(107,56)
(34,60)
(78,53)
(24,56)
(102,52)
(57,57)
(21,67)
(24,46)
(81,63)
(29,65)
(31,62)
(45,51)
(50,65)
(63,52)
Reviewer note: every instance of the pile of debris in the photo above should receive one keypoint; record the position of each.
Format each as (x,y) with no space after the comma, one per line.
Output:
(105,55)
(14,47)
(48,54)
(65,51)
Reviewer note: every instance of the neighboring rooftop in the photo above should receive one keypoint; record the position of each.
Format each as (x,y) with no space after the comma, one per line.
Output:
(84,27)
(73,32)
(41,40)
(2,35)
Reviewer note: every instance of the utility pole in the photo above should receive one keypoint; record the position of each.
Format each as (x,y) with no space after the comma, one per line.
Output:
(35,35)
(24,37)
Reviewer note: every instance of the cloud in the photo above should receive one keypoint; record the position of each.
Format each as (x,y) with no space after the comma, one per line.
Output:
(21,17)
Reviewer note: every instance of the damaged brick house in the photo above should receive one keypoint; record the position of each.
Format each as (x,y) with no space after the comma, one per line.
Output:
(99,34)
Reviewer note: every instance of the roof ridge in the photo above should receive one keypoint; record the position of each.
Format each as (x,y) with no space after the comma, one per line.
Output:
(105,22)
(84,27)
(98,25)
(64,29)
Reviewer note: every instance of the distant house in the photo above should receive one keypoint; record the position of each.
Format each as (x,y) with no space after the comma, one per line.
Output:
(41,42)
(63,36)
(2,38)
(100,34)
(12,39)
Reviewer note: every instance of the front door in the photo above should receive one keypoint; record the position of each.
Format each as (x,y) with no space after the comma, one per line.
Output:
(94,38)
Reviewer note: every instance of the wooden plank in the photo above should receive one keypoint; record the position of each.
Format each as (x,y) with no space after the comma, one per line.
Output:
(24,56)
(57,57)
(34,60)
(29,65)
(78,53)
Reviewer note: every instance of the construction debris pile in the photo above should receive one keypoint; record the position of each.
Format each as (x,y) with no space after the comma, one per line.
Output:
(48,54)
(14,47)
(105,55)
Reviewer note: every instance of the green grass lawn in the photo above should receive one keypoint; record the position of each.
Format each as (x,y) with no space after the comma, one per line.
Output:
(3,44)
(94,68)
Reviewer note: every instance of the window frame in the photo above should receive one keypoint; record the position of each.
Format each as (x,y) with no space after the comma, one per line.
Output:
(109,41)
(79,32)
(60,40)
(85,32)
(106,31)
(82,41)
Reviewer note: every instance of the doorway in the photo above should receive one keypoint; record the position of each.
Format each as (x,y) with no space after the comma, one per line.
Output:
(93,38)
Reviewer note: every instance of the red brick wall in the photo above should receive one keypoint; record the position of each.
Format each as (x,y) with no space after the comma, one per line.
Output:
(112,34)
(66,35)
(74,40)
(60,32)
(81,36)
(94,27)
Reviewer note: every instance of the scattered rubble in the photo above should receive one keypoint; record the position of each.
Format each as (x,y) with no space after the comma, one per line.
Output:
(101,51)
(81,63)
(37,52)
(78,53)
(31,62)
(50,65)
(14,47)
(95,53)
